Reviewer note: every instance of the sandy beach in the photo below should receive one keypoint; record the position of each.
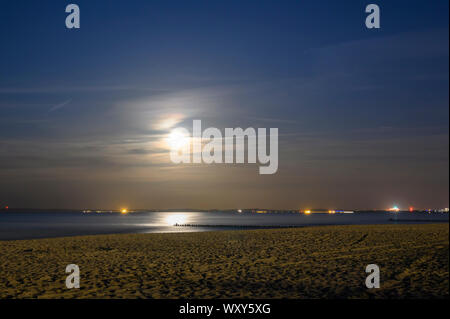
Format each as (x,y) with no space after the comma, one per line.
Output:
(312,262)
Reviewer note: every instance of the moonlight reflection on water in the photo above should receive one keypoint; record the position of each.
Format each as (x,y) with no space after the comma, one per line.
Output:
(174,219)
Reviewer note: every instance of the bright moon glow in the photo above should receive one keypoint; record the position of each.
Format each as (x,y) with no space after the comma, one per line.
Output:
(177,139)
(168,121)
(176,219)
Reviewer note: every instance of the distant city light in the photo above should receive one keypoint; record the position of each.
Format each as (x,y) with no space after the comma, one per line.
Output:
(239,210)
(394,209)
(307,212)
(331,211)
(124,211)
(411,209)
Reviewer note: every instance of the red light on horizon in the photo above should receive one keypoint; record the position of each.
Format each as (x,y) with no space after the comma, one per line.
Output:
(411,209)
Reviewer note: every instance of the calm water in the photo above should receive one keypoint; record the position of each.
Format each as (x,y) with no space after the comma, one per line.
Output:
(42,225)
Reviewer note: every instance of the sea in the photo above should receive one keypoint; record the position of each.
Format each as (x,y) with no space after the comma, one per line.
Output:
(34,225)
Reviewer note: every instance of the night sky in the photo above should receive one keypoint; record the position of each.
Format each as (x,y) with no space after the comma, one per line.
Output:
(363,114)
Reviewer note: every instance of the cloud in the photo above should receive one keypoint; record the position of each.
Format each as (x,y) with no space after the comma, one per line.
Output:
(60,105)
(75,88)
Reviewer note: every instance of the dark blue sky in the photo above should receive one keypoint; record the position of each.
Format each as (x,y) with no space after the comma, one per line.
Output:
(363,114)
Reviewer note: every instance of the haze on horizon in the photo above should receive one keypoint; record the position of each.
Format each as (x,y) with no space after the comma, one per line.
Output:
(362,114)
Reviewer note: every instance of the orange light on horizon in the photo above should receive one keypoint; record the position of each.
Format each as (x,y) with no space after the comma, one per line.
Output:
(124,211)
(331,211)
(411,209)
(307,212)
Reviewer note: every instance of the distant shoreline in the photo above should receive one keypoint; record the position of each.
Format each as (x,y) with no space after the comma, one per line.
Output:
(244,211)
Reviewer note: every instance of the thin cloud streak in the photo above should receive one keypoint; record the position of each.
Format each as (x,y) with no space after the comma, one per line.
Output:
(60,105)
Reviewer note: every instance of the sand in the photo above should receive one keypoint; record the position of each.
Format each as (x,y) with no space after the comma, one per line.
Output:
(314,262)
